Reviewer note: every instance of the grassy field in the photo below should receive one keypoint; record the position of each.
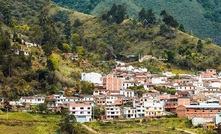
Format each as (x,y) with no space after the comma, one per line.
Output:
(153,126)
(25,123)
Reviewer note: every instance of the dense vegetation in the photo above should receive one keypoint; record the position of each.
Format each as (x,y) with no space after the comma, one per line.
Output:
(85,6)
(203,17)
(96,40)
(46,70)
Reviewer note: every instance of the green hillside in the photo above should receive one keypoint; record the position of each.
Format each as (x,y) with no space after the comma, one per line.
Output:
(200,16)
(97,41)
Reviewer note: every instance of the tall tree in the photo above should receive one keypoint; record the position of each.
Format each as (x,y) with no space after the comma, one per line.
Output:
(169,20)
(116,14)
(50,39)
(147,17)
(6,13)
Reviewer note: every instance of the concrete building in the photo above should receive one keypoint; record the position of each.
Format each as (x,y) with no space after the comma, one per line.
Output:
(82,112)
(112,112)
(32,100)
(205,111)
(112,83)
(92,77)
(130,112)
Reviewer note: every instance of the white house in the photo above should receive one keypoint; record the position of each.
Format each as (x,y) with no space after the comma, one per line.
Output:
(33,100)
(185,87)
(128,93)
(153,108)
(130,112)
(128,83)
(82,112)
(88,98)
(140,111)
(110,100)
(159,80)
(92,77)
(112,112)
(215,84)
(99,92)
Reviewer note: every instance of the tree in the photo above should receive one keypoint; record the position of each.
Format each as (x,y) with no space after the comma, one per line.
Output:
(42,107)
(36,34)
(67,30)
(151,19)
(51,37)
(87,87)
(52,63)
(169,20)
(181,28)
(6,12)
(75,40)
(77,23)
(116,14)
(66,48)
(142,15)
(170,56)
(67,123)
(199,46)
(98,111)
(80,50)
(147,17)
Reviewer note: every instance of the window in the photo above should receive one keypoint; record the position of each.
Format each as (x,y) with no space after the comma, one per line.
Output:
(81,112)
(82,108)
(73,107)
(88,112)
(73,112)
(88,108)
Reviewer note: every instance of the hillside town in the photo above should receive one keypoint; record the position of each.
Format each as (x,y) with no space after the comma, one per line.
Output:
(196,97)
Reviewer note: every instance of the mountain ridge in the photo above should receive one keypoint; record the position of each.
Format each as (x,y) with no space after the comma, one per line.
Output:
(191,13)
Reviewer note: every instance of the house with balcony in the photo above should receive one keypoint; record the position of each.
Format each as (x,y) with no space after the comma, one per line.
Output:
(153,109)
(82,112)
(112,112)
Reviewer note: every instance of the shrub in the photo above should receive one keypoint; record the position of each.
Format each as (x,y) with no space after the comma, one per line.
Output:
(144,120)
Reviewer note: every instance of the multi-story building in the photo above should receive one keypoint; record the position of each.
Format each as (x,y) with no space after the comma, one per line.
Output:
(112,112)
(130,112)
(153,109)
(205,111)
(128,93)
(113,83)
(81,111)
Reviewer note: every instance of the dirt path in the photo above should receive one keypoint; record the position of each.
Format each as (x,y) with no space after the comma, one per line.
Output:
(186,131)
(90,129)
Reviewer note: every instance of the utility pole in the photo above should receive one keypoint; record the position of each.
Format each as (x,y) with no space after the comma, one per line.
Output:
(7,113)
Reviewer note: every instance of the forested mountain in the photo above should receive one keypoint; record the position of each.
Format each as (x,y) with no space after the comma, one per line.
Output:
(202,17)
(97,42)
